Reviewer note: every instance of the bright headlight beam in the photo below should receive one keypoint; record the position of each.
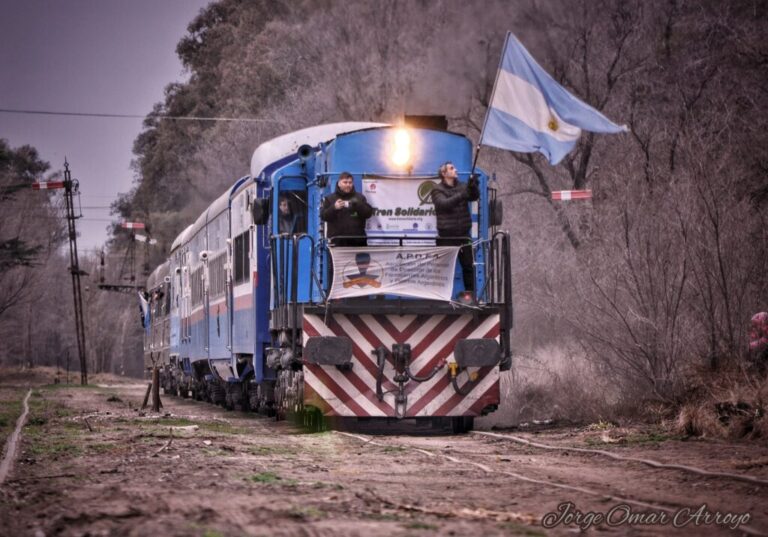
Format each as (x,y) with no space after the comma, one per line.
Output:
(402,147)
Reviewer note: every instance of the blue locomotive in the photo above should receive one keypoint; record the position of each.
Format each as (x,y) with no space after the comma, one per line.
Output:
(256,307)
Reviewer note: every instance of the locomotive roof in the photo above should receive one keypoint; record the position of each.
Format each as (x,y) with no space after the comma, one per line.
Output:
(158,275)
(181,238)
(222,202)
(269,152)
(214,209)
(287,144)
(218,206)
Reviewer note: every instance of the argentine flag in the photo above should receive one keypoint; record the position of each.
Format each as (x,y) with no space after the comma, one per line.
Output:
(531,112)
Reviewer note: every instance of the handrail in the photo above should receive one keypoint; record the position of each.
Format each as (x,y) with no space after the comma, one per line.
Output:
(314,278)
(273,269)
(504,265)
(399,238)
(286,292)
(496,290)
(417,241)
(497,287)
(294,292)
(297,239)
(488,285)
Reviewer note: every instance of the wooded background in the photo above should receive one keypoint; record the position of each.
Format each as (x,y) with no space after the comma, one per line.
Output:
(635,296)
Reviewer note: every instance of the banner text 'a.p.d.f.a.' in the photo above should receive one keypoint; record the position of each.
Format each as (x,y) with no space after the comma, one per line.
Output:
(420,272)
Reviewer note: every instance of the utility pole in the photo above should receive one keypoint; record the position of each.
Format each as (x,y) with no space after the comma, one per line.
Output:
(71,187)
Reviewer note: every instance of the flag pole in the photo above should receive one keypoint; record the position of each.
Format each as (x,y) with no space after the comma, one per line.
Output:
(493,93)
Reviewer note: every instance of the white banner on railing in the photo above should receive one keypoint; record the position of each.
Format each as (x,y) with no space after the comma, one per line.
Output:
(421,272)
(401,207)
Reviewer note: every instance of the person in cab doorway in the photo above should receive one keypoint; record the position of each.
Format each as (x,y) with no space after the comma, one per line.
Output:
(346,212)
(454,222)
(288,222)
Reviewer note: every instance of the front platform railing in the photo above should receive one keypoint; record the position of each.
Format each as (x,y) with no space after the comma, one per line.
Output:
(301,272)
(301,281)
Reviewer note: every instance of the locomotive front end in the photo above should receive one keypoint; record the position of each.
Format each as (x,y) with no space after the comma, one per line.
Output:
(387,326)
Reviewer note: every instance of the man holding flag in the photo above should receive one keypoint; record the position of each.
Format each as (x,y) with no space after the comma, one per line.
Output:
(530,112)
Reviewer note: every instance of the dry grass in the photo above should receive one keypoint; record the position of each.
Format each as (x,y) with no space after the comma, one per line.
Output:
(42,375)
(729,403)
(553,383)
(10,410)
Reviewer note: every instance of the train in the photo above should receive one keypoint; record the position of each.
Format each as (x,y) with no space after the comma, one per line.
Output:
(248,313)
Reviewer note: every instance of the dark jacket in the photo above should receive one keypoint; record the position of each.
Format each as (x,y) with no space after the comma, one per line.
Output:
(288,223)
(347,221)
(453,219)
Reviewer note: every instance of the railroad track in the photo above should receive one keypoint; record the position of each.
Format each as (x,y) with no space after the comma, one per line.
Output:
(522,468)
(9,451)
(615,456)
(481,452)
(481,483)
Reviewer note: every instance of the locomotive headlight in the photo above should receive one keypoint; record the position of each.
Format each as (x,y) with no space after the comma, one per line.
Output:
(401,147)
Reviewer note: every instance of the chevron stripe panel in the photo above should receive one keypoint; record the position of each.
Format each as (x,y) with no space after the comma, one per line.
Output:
(432,339)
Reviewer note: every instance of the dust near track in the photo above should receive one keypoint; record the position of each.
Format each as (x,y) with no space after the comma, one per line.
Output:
(89,463)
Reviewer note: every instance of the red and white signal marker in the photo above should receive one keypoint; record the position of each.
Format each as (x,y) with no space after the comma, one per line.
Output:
(47,185)
(567,195)
(133,225)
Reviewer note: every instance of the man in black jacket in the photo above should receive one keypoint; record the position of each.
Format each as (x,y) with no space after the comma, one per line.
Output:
(454,222)
(346,212)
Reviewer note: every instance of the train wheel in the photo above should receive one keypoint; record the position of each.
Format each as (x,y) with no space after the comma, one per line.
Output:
(164,384)
(229,403)
(235,395)
(313,420)
(217,393)
(253,398)
(243,401)
(462,424)
(288,395)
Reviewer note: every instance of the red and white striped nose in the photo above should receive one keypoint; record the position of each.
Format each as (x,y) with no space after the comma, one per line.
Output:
(433,341)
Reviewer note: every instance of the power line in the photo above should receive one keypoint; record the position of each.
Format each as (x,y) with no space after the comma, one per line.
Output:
(115,220)
(24,207)
(134,116)
(86,195)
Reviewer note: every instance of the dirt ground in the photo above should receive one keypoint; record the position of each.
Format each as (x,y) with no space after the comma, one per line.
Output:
(90,463)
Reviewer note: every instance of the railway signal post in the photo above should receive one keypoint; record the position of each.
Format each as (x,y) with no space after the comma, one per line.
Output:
(128,267)
(70,188)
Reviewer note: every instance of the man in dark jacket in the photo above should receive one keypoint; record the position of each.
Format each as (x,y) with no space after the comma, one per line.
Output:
(346,212)
(454,222)
(288,222)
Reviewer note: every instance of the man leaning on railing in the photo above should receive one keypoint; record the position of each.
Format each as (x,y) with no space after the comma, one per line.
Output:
(454,222)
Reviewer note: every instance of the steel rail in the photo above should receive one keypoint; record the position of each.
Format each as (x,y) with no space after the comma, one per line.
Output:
(648,462)
(11,446)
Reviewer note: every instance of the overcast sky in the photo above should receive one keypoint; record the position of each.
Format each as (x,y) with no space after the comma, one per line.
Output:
(102,56)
